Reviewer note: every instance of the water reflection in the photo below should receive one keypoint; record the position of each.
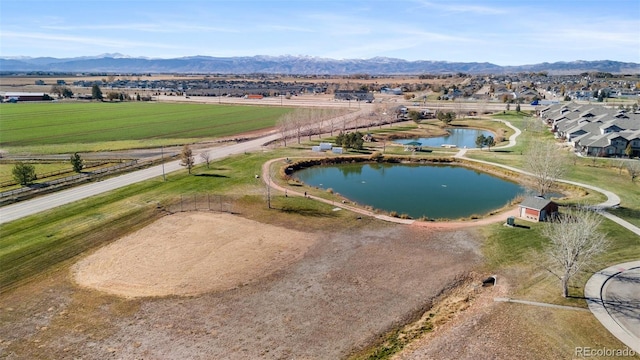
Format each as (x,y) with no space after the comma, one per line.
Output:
(434,191)
(458,137)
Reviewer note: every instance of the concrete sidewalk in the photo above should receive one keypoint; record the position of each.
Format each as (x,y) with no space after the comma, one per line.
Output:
(613,295)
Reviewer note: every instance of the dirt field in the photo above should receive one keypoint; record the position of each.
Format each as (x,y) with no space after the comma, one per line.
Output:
(320,295)
(189,254)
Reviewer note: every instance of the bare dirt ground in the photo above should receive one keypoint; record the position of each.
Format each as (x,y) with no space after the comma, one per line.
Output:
(334,292)
(191,253)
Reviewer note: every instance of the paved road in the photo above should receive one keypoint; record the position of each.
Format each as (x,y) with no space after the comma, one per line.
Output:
(613,295)
(25,208)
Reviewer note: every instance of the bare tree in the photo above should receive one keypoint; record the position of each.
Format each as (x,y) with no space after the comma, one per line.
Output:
(186,157)
(284,126)
(575,242)
(206,157)
(297,123)
(633,168)
(370,119)
(546,163)
(319,124)
(310,117)
(332,124)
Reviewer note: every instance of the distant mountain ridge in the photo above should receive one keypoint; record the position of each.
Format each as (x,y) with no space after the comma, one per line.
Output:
(303,65)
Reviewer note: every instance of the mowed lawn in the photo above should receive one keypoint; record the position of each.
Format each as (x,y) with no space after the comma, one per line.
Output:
(25,124)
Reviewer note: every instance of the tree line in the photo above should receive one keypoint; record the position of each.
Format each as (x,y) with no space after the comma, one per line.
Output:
(308,122)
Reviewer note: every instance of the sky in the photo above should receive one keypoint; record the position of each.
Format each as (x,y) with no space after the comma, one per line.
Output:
(515,32)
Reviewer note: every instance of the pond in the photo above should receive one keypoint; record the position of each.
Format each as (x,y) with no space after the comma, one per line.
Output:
(459,137)
(434,191)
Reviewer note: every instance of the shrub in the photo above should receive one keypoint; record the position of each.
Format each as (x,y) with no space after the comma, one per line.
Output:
(377,156)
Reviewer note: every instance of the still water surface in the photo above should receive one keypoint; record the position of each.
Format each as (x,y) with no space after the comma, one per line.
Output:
(458,137)
(434,191)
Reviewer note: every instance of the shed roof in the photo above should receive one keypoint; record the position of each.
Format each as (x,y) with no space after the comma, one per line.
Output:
(535,202)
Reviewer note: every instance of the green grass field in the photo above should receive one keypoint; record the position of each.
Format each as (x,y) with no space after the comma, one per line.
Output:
(64,123)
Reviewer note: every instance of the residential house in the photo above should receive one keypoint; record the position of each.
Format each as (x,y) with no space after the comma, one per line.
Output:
(358,95)
(594,130)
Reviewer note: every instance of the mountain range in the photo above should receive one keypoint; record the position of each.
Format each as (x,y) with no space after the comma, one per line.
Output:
(302,65)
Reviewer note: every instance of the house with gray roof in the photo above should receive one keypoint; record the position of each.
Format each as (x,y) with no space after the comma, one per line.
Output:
(594,130)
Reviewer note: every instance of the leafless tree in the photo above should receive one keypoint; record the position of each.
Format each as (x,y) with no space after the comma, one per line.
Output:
(284,126)
(206,157)
(575,242)
(370,119)
(332,124)
(186,157)
(546,162)
(633,168)
(535,125)
(297,123)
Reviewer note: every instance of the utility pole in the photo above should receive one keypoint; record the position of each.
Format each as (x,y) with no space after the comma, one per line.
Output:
(164,177)
(269,190)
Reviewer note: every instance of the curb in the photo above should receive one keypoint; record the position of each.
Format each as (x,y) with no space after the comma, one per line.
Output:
(594,292)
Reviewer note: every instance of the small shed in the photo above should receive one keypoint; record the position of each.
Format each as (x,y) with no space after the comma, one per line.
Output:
(413,146)
(537,208)
(325,146)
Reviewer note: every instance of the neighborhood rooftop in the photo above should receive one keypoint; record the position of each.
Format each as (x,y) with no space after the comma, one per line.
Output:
(595,130)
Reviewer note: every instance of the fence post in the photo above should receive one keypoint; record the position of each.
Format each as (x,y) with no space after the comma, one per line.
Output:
(195,202)
(181,200)
(208,201)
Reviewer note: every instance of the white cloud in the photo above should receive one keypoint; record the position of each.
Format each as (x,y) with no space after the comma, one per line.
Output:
(95,41)
(463,8)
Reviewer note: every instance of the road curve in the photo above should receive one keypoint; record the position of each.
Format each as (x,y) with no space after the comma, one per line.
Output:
(613,299)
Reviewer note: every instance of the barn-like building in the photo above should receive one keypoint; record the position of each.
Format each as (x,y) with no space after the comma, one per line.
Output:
(537,208)
(23,96)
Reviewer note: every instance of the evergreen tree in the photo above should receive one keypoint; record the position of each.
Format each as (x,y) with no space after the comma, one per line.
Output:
(480,141)
(96,93)
(23,173)
(77,162)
